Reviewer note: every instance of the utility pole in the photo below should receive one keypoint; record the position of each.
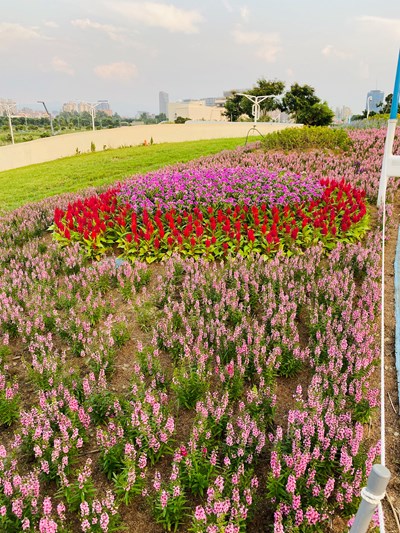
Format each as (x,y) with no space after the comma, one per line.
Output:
(49,115)
(93,113)
(7,108)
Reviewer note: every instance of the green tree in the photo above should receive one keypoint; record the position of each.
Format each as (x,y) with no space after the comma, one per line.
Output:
(304,106)
(181,120)
(237,105)
(318,114)
(386,106)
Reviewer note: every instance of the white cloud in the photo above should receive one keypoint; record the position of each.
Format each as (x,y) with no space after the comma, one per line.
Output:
(59,65)
(10,32)
(363,70)
(50,24)
(156,14)
(114,33)
(227,6)
(245,13)
(389,27)
(121,71)
(266,45)
(330,51)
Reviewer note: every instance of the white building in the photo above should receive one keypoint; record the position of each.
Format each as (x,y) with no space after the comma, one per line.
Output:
(195,110)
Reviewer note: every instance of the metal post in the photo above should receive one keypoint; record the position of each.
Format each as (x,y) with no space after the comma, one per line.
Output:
(7,109)
(371,496)
(48,114)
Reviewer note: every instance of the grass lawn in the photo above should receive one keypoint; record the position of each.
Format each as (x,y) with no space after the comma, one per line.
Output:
(35,182)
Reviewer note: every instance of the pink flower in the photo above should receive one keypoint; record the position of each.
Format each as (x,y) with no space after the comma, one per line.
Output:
(200,514)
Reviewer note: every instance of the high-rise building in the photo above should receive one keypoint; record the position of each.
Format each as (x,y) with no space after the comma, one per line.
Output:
(163,100)
(374,98)
(104,106)
(69,107)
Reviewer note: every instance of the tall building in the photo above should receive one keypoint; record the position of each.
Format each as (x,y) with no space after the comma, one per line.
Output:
(69,107)
(104,106)
(163,100)
(374,98)
(84,107)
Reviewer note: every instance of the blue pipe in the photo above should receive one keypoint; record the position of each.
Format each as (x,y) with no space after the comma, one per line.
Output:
(396,92)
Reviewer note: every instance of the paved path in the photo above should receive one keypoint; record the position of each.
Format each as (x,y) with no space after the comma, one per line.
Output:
(50,148)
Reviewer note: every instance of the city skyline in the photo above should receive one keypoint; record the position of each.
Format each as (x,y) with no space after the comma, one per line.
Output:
(127,52)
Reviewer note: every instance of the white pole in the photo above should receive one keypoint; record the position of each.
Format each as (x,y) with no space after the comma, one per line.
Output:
(371,496)
(391,163)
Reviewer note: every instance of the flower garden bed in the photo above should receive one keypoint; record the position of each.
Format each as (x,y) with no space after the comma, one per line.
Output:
(193,394)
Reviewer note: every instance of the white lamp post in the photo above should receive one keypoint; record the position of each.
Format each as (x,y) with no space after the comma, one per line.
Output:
(256,109)
(369,99)
(49,115)
(93,112)
(7,108)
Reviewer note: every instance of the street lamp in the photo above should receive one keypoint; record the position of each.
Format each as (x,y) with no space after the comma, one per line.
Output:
(369,99)
(7,108)
(49,115)
(256,109)
(93,112)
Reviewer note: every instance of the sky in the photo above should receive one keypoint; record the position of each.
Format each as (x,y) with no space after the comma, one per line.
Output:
(127,51)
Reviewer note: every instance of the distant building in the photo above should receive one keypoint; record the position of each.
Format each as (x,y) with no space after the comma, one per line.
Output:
(69,107)
(104,106)
(163,101)
(374,99)
(343,114)
(84,107)
(195,110)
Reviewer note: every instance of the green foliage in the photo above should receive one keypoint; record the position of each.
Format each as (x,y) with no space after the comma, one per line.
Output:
(146,314)
(189,386)
(169,506)
(9,406)
(120,334)
(311,137)
(181,120)
(305,107)
(79,490)
(197,470)
(112,460)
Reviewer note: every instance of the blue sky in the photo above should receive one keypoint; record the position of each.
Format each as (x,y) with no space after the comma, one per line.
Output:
(127,51)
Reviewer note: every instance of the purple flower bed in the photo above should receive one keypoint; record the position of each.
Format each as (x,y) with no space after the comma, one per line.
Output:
(168,189)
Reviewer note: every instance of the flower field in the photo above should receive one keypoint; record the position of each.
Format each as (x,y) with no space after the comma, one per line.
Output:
(194,349)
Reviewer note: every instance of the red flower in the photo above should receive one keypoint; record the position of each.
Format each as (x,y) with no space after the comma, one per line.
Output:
(193,241)
(199,231)
(183,451)
(129,237)
(156,243)
(213,239)
(250,235)
(208,243)
(170,241)
(294,233)
(225,245)
(67,234)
